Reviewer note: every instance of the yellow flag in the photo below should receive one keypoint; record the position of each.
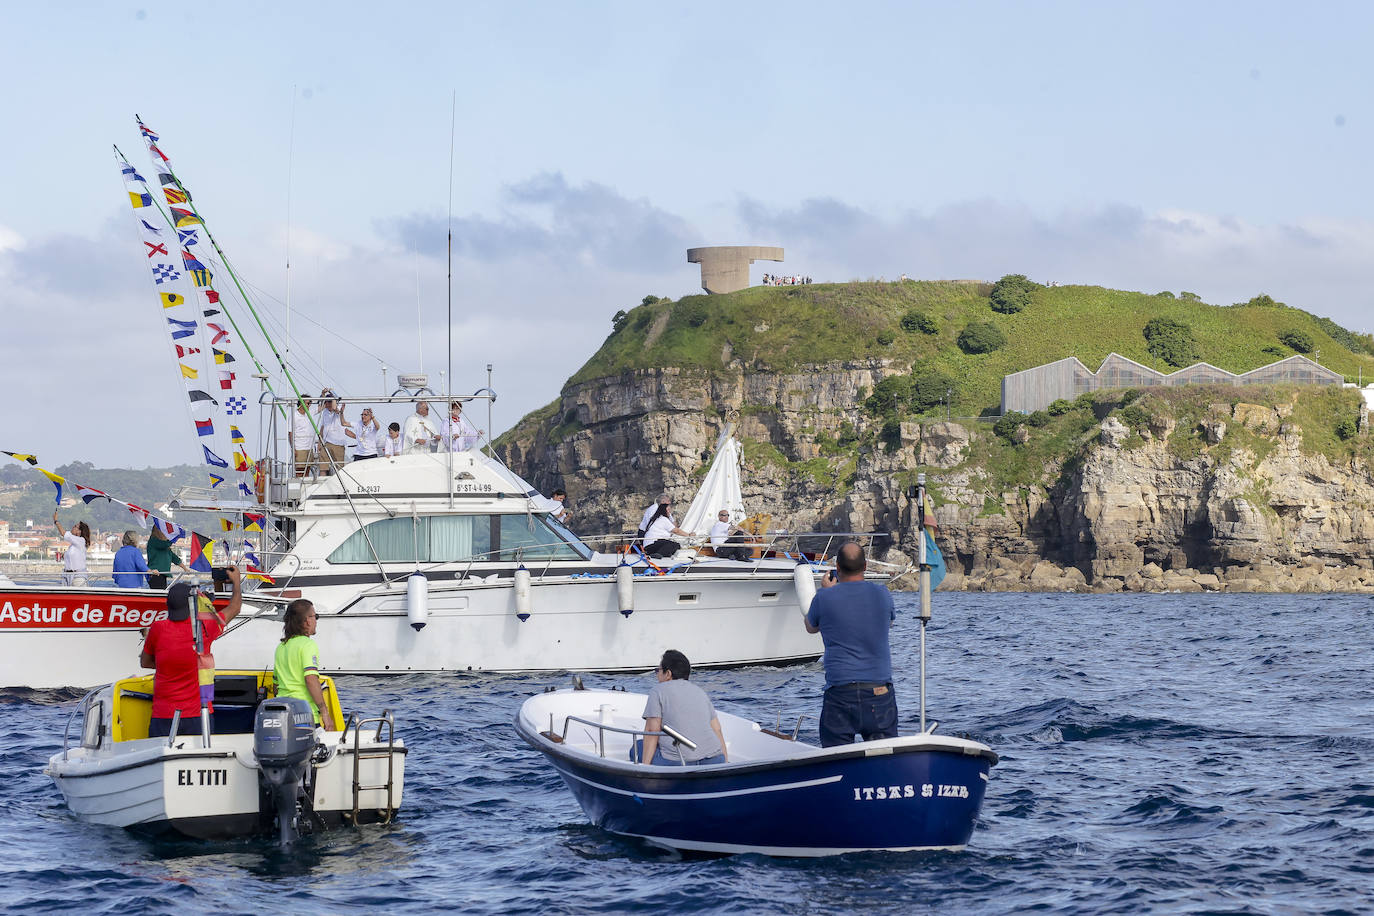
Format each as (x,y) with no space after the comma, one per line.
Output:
(187,371)
(170,300)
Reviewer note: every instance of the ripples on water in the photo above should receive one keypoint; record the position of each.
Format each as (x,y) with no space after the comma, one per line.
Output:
(1159,752)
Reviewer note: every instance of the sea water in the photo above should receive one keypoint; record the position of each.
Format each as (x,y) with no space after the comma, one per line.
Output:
(1160,753)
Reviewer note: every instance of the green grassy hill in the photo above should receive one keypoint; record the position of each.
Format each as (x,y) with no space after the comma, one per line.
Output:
(781,328)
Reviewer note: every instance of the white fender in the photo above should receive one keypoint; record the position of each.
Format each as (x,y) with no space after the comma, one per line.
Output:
(417,601)
(522,594)
(804,578)
(625,589)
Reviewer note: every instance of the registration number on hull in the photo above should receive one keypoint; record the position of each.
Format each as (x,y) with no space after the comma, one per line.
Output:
(926,790)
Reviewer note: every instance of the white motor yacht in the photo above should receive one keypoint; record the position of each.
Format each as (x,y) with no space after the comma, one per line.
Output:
(451,562)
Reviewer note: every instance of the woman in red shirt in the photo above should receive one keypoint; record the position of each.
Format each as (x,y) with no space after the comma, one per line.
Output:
(170,650)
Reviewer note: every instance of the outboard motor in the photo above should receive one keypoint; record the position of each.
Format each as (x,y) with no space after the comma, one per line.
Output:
(283,740)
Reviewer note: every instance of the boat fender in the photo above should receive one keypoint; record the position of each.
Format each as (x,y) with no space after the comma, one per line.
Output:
(804,578)
(417,601)
(625,589)
(522,593)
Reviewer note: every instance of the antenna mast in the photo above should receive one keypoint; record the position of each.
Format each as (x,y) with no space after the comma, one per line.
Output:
(290,159)
(448,389)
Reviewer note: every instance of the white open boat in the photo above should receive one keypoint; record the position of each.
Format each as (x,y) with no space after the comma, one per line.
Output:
(265,769)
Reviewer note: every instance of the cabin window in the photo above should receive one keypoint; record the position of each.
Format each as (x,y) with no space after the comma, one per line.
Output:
(459,538)
(396,540)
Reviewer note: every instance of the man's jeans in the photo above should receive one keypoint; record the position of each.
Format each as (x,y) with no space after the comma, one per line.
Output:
(869,710)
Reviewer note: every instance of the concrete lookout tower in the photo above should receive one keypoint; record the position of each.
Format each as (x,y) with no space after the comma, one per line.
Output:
(725,268)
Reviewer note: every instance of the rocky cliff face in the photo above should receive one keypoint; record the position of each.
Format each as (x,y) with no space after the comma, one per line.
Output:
(1124,511)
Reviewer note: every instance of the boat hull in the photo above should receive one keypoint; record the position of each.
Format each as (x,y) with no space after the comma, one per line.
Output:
(575,623)
(74,637)
(901,794)
(208,793)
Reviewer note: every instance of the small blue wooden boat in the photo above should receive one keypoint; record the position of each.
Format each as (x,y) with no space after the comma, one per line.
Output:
(776,796)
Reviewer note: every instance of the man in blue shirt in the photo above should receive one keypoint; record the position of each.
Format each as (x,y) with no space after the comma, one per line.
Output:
(130,570)
(853,618)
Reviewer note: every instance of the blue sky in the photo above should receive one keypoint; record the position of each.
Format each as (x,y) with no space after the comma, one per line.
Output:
(1220,148)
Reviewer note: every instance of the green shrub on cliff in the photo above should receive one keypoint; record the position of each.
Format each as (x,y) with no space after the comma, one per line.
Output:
(914,321)
(1171,341)
(981,337)
(1011,294)
(1297,340)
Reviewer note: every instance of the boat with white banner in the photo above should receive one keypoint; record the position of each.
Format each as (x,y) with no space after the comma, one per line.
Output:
(68,636)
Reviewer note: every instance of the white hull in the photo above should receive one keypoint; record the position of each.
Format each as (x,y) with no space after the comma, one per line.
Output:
(574,624)
(201,792)
(73,637)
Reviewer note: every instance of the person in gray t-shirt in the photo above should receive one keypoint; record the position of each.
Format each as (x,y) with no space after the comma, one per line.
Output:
(685,708)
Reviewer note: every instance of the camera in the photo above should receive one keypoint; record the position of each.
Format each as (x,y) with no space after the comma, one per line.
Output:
(219,574)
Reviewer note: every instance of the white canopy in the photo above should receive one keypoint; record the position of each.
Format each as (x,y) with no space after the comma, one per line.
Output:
(720,490)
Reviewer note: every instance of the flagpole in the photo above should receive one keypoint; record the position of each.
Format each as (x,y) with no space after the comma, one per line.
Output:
(290,160)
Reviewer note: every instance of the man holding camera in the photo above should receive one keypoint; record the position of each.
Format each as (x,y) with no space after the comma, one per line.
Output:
(853,618)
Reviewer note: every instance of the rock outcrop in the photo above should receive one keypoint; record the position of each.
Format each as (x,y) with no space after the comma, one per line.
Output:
(1125,511)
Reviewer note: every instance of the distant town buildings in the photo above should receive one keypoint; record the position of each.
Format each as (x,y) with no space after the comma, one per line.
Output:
(1035,389)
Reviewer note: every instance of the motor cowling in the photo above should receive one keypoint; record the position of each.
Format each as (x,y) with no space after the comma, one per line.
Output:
(283,740)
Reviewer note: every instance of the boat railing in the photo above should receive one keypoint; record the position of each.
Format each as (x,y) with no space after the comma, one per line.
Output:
(603,727)
(386,722)
(777,732)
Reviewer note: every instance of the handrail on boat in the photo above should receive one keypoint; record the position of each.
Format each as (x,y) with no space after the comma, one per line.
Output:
(602,728)
(385,722)
(79,707)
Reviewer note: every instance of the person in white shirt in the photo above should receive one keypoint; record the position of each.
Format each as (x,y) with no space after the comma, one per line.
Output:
(649,515)
(302,437)
(369,436)
(335,431)
(658,537)
(459,433)
(562,512)
(74,563)
(421,432)
(720,536)
(394,444)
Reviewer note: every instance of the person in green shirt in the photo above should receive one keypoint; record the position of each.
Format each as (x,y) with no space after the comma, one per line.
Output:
(161,556)
(296,666)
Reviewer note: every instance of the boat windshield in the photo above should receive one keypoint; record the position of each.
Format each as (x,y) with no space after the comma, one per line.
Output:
(562,531)
(462,538)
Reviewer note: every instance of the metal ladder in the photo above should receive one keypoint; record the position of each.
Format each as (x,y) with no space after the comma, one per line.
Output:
(386,721)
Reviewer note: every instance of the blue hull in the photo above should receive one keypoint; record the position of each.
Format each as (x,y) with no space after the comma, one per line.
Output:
(911,794)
